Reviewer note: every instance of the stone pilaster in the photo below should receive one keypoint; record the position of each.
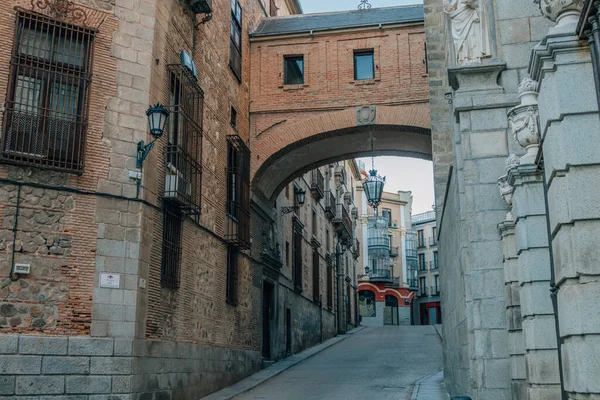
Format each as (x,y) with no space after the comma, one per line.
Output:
(534,282)
(516,345)
(571,155)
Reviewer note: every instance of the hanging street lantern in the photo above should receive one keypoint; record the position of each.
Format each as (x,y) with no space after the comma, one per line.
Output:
(373,184)
(157,118)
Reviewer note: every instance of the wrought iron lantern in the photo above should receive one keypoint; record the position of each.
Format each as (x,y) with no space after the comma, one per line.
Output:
(300,195)
(373,184)
(157,118)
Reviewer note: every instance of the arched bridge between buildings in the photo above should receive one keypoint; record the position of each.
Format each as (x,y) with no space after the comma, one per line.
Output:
(286,150)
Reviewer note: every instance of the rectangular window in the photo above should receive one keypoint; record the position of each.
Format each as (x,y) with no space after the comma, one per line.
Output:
(293,70)
(314,223)
(171,244)
(327,240)
(232,275)
(421,238)
(238,193)
(316,276)
(387,214)
(437,283)
(436,264)
(297,258)
(433,236)
(47,101)
(364,65)
(423,286)
(287,253)
(233,118)
(330,287)
(235,35)
(422,265)
(183,168)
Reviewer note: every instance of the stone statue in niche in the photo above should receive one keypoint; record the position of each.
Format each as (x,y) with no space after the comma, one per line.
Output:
(470,30)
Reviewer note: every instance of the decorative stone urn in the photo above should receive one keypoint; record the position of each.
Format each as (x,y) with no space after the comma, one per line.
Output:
(524,120)
(560,11)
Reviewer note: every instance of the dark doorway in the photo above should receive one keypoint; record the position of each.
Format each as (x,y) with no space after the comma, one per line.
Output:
(267,313)
(288,331)
(390,314)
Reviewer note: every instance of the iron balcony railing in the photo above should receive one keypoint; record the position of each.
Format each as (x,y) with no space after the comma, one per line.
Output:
(380,275)
(317,186)
(421,242)
(423,292)
(394,251)
(330,206)
(426,216)
(434,291)
(411,254)
(381,242)
(344,221)
(433,241)
(434,265)
(413,284)
(423,266)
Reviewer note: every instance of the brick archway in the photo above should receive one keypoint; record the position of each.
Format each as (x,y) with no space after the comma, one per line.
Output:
(288,149)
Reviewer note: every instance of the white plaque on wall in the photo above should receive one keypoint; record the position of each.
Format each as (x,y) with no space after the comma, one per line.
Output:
(108,280)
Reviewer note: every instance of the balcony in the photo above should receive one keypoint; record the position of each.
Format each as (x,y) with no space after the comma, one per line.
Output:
(433,241)
(394,251)
(413,284)
(433,265)
(356,249)
(317,185)
(380,275)
(330,206)
(343,222)
(379,244)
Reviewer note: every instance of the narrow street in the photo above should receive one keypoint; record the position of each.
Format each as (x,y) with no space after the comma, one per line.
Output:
(377,361)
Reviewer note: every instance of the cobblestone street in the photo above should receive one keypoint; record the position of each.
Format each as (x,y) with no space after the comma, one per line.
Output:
(382,362)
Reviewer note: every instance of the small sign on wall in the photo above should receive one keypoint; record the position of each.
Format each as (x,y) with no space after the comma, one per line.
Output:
(108,280)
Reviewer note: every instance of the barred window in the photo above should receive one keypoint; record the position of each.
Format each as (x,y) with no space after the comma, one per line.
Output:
(316,275)
(235,35)
(238,193)
(47,101)
(297,257)
(183,169)
(232,275)
(171,244)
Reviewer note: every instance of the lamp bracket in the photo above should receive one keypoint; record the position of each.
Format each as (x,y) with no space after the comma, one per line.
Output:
(287,210)
(142,152)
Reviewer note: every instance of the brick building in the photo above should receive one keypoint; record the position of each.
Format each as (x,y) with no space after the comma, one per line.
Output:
(127,269)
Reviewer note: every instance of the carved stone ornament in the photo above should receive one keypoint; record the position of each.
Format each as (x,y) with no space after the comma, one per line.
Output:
(524,121)
(63,10)
(470,31)
(556,10)
(365,115)
(512,161)
(506,192)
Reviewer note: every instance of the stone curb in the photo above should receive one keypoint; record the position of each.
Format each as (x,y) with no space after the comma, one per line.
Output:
(428,392)
(272,371)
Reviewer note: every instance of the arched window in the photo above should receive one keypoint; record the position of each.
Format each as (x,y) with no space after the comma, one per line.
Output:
(366,303)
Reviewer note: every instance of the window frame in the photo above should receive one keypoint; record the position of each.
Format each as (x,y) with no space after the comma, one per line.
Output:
(236,24)
(362,53)
(291,58)
(171,251)
(52,76)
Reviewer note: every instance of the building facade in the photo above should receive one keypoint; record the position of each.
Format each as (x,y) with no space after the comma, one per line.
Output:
(385,274)
(426,307)
(516,98)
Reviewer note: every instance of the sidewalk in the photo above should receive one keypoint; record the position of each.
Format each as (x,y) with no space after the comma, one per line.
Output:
(431,388)
(273,370)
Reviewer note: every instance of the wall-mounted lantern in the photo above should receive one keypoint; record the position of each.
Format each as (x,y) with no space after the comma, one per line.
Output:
(157,118)
(300,195)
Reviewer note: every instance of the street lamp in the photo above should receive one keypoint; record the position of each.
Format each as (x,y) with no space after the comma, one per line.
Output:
(157,118)
(373,184)
(300,198)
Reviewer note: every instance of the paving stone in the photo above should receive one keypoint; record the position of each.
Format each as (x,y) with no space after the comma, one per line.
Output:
(8,344)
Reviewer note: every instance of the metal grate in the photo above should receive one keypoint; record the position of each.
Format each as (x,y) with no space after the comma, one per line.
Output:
(46,114)
(238,193)
(316,276)
(297,258)
(183,169)
(171,244)
(232,276)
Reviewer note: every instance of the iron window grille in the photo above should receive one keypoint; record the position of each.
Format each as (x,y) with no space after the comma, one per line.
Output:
(238,193)
(297,257)
(46,115)
(232,276)
(316,276)
(235,45)
(171,244)
(364,64)
(183,169)
(293,67)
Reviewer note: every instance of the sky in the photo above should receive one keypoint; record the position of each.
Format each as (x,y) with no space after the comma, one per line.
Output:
(314,6)
(403,173)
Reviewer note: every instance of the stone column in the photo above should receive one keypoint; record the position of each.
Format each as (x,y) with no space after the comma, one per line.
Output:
(532,248)
(571,157)
(516,345)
